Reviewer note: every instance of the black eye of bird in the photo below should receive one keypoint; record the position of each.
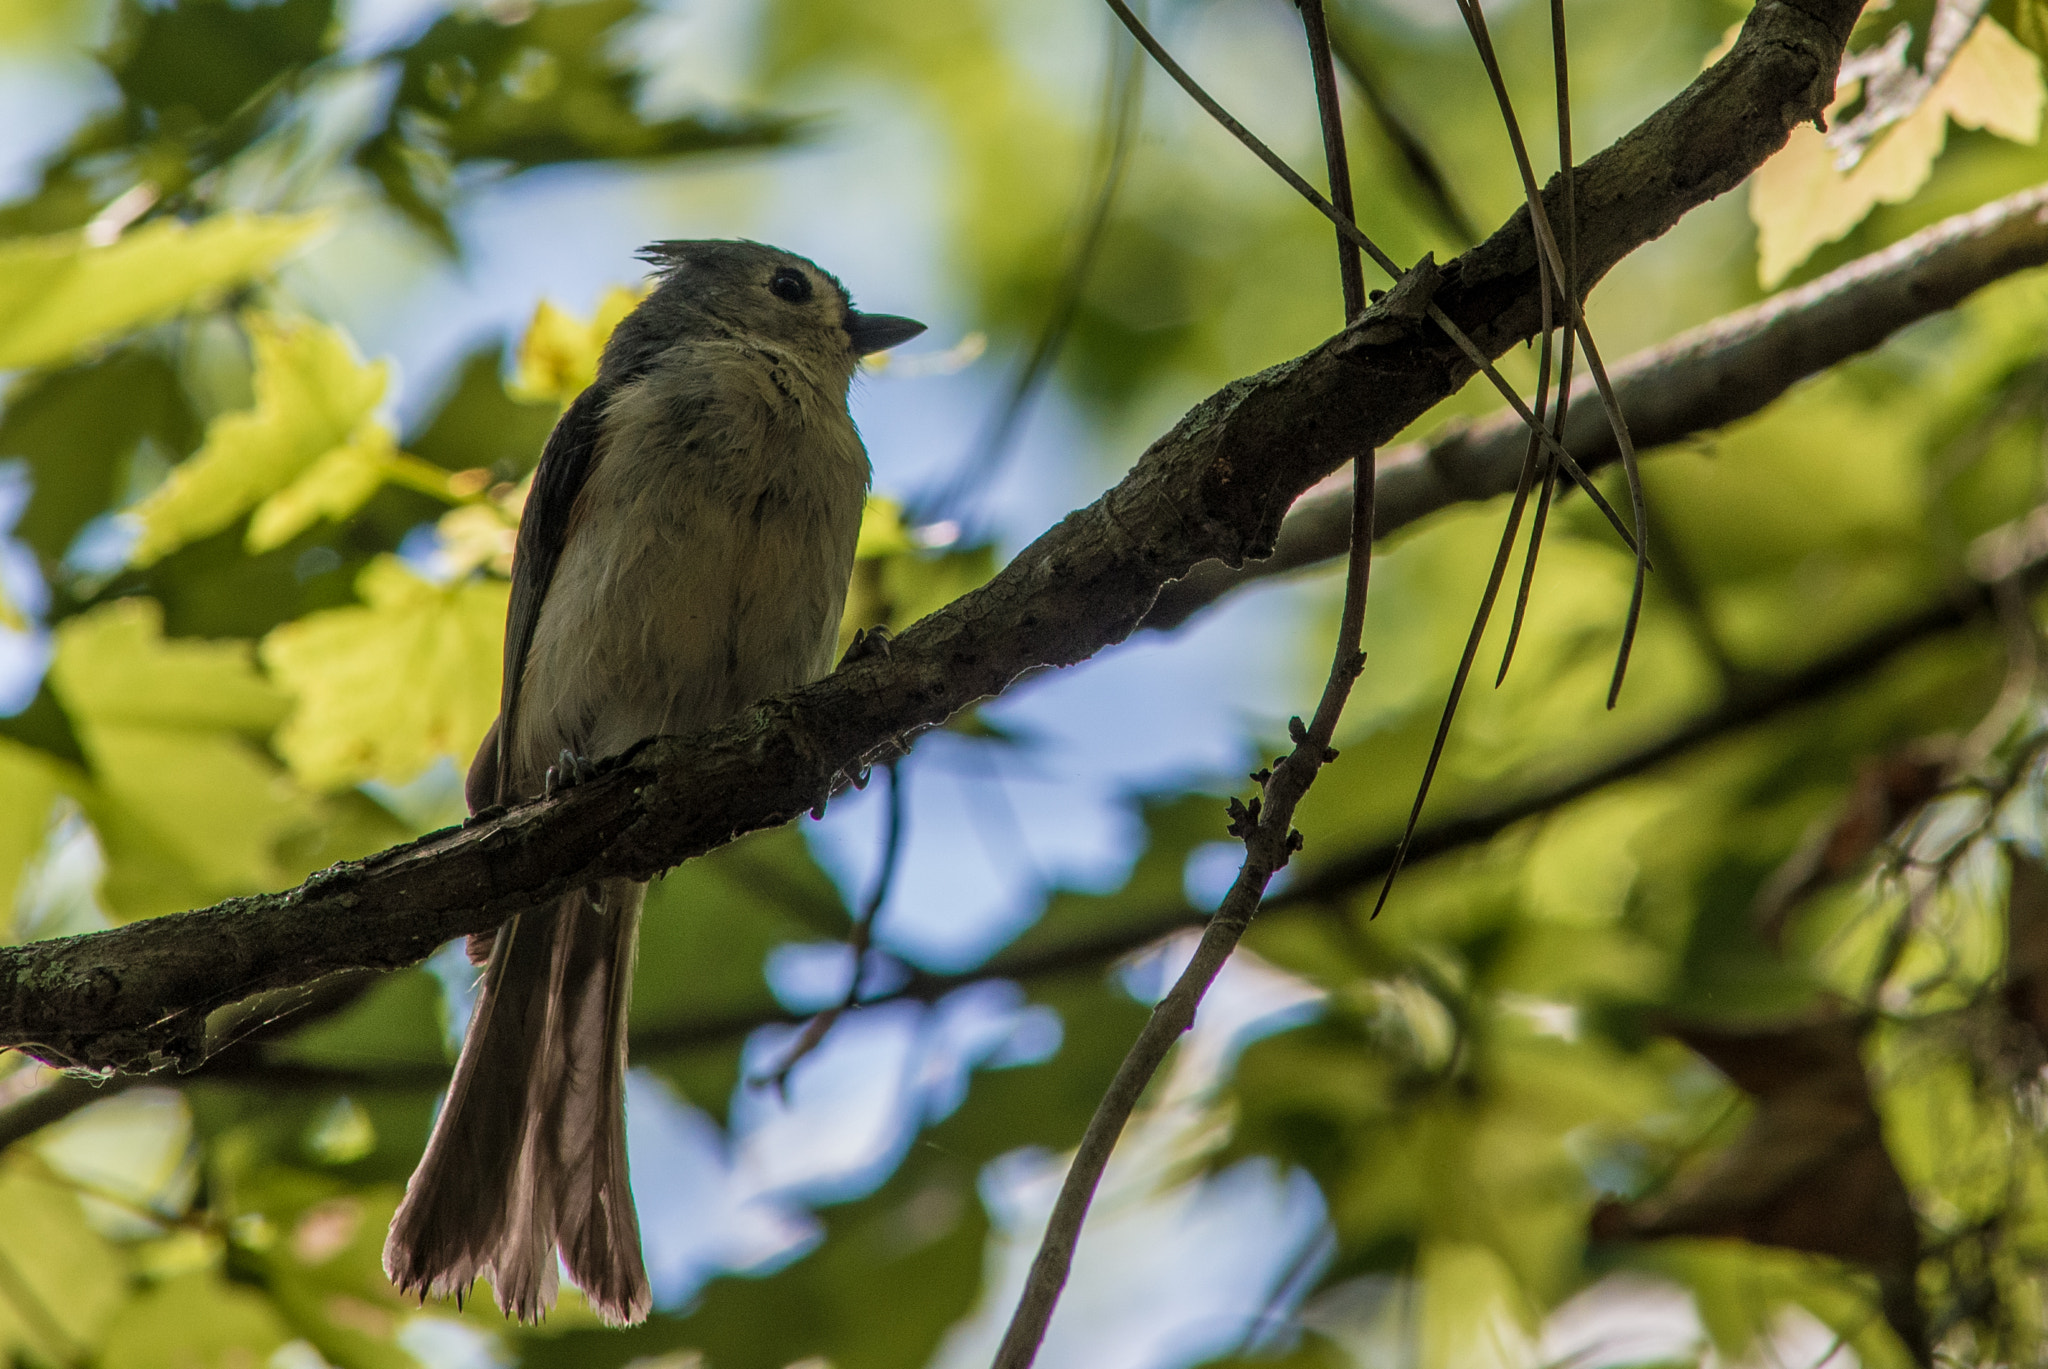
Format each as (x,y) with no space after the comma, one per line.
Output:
(793,286)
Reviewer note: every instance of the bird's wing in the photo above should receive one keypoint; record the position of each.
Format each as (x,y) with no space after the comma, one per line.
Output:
(571,454)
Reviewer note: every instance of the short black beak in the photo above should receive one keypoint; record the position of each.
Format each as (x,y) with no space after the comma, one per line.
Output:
(873,333)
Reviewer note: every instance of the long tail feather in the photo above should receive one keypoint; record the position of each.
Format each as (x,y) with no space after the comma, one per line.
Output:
(530,1149)
(595,1221)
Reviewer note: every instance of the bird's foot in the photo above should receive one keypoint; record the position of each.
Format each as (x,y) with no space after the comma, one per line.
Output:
(869,643)
(568,771)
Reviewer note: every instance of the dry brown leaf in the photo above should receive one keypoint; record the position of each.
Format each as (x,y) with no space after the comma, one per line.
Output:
(1810,1172)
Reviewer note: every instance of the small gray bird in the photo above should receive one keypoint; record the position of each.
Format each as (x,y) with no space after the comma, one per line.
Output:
(685,552)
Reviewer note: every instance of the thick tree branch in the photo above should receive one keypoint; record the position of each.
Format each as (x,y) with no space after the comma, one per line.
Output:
(2019,551)
(1214,488)
(2017,554)
(1700,380)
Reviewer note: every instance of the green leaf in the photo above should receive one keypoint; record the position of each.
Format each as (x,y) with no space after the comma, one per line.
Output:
(194,1321)
(1472,1312)
(882,529)
(397,1022)
(313,398)
(546,90)
(530,89)
(80,430)
(208,60)
(334,487)
(32,781)
(704,943)
(479,426)
(896,1270)
(114,668)
(320,1263)
(59,297)
(1801,198)
(2030,24)
(32,24)
(187,803)
(383,690)
(59,1279)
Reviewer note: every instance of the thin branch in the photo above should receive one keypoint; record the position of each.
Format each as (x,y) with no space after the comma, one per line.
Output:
(1270,840)
(1348,48)
(1323,889)
(1350,273)
(1699,381)
(1480,618)
(1269,836)
(1561,80)
(1215,487)
(862,936)
(1421,279)
(1546,240)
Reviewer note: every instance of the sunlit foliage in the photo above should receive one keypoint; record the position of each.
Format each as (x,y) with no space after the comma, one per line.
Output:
(1624,1055)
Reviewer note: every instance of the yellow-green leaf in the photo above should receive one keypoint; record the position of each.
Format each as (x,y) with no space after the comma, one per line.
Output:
(113,665)
(195,1321)
(386,688)
(187,803)
(334,487)
(1800,199)
(71,1277)
(1995,84)
(882,530)
(26,25)
(313,398)
(59,297)
(558,356)
(1472,1313)
(32,781)
(2030,24)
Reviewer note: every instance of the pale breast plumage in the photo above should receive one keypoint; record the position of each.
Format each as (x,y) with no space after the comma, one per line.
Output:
(708,560)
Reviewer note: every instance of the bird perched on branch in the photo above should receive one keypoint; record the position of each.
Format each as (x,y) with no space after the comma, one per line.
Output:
(685,551)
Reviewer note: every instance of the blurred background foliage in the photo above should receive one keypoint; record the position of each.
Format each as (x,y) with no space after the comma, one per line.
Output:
(1735,1057)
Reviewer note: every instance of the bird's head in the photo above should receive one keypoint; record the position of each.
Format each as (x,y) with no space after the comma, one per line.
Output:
(752,290)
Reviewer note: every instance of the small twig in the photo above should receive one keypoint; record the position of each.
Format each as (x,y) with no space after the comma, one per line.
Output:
(1270,840)
(1546,246)
(1415,154)
(1484,614)
(857,941)
(1705,378)
(1349,270)
(1286,1290)
(1560,66)
(1350,231)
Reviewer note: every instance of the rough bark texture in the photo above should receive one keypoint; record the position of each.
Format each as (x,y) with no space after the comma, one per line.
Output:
(1214,488)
